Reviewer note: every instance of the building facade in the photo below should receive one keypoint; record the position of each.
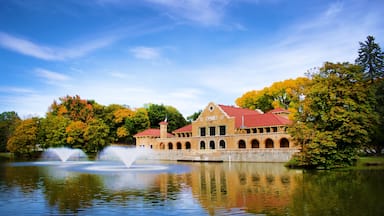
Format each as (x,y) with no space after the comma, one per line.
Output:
(225,133)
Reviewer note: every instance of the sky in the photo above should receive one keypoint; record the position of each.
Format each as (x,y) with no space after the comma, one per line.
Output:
(181,53)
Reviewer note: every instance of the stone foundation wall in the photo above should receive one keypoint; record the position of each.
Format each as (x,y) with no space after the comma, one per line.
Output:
(254,155)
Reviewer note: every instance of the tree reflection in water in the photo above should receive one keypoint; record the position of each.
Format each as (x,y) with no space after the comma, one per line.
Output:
(205,189)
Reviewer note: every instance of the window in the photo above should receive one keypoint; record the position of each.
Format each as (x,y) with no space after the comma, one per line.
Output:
(202,131)
(212,144)
(178,145)
(284,143)
(255,143)
(242,144)
(222,144)
(212,131)
(170,146)
(202,145)
(222,130)
(269,143)
(187,145)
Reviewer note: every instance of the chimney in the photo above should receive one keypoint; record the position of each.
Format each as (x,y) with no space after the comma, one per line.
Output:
(163,129)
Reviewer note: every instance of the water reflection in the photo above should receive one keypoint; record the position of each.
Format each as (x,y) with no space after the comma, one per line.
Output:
(201,189)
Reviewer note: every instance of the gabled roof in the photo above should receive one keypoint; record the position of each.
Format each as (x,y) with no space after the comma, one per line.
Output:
(252,118)
(237,111)
(151,132)
(267,119)
(186,128)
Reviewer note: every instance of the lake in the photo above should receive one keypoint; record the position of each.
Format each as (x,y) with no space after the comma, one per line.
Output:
(171,188)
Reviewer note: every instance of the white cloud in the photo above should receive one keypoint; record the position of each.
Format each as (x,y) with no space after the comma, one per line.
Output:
(51,76)
(147,53)
(206,12)
(51,53)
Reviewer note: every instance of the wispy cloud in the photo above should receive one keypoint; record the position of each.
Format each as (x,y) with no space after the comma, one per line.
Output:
(51,76)
(145,52)
(51,53)
(206,12)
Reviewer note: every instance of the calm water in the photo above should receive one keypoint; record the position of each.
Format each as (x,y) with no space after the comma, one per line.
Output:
(188,189)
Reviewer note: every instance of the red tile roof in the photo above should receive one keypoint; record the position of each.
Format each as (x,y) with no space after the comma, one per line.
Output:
(186,128)
(151,133)
(251,118)
(267,119)
(237,111)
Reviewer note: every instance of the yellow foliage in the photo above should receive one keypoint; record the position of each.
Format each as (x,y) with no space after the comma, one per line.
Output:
(121,132)
(122,114)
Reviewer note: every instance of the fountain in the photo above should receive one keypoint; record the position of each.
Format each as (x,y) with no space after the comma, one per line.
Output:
(64,154)
(123,154)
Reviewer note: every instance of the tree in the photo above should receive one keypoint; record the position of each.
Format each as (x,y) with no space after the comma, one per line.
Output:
(24,139)
(8,122)
(194,116)
(74,108)
(285,94)
(336,119)
(54,131)
(75,134)
(96,136)
(371,59)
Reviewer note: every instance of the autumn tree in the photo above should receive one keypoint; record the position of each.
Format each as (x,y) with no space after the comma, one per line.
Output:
(96,136)
(75,134)
(285,94)
(73,108)
(8,122)
(336,119)
(53,130)
(24,139)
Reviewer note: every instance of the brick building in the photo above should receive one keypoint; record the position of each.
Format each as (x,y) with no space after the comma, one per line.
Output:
(225,133)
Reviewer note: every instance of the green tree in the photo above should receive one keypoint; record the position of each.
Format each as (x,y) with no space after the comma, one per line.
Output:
(25,137)
(336,117)
(54,131)
(75,134)
(8,122)
(194,116)
(158,113)
(371,59)
(96,136)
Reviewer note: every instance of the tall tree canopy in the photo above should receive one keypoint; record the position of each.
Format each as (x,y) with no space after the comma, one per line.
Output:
(371,59)
(158,113)
(8,123)
(285,94)
(336,118)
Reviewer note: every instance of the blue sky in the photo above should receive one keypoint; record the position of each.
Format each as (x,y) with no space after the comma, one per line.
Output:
(183,53)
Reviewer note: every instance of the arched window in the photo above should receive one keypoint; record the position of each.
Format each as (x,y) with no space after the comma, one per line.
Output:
(170,145)
(162,146)
(211,144)
(202,145)
(187,145)
(178,145)
(255,143)
(242,144)
(284,143)
(269,143)
(222,144)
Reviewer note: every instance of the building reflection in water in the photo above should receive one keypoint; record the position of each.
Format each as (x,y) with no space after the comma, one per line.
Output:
(250,187)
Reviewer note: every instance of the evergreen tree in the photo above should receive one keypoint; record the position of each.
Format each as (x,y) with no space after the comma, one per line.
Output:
(371,59)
